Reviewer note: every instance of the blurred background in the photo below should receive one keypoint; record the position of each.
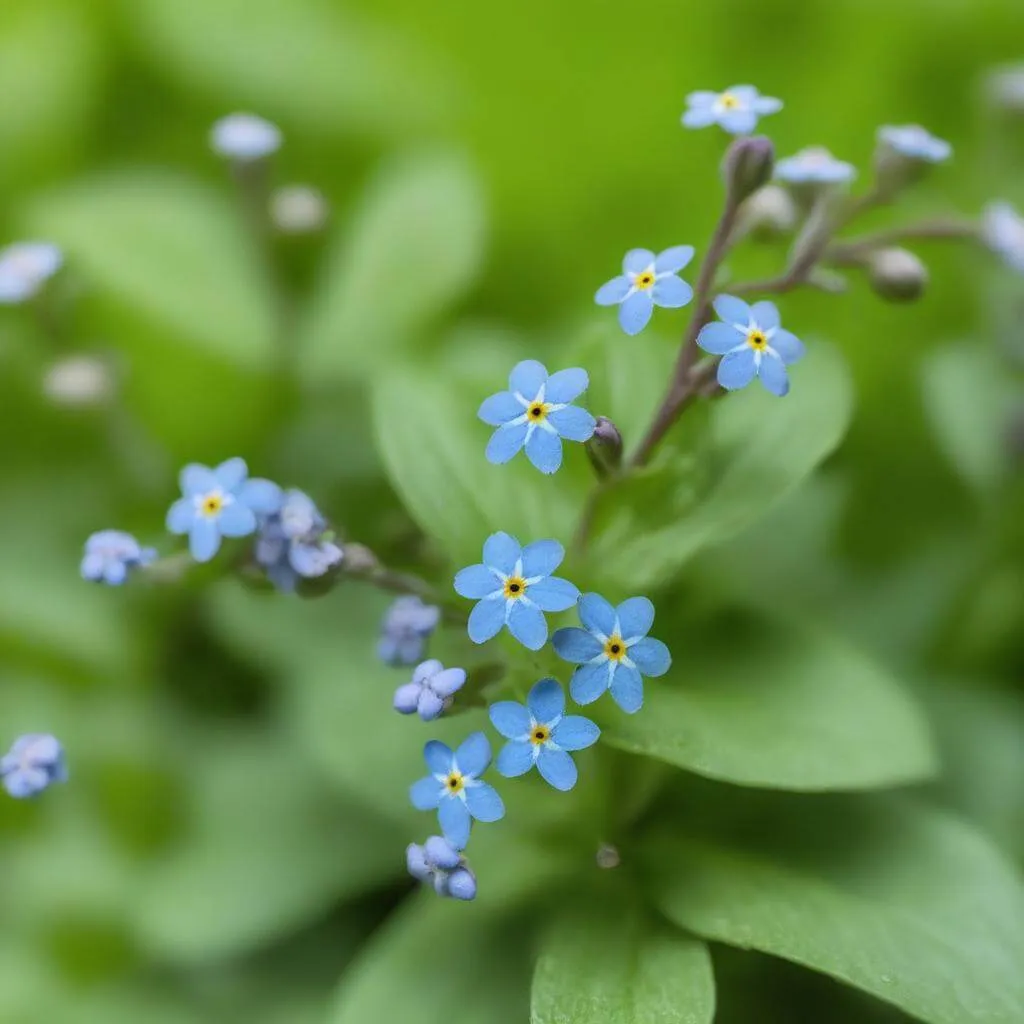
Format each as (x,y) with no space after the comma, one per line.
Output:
(218,855)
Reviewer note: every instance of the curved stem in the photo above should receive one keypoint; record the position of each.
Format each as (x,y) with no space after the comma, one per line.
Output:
(923,231)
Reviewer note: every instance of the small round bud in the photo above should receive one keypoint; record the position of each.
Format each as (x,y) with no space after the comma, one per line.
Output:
(897,274)
(245,137)
(769,212)
(1004,88)
(298,210)
(358,559)
(607,857)
(605,446)
(747,165)
(78,382)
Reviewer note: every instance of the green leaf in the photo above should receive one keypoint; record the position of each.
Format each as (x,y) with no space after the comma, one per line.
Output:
(882,893)
(610,968)
(416,246)
(779,705)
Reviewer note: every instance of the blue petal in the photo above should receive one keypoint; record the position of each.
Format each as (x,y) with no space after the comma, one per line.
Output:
(441,853)
(765,314)
(671,292)
(236,520)
(636,616)
(115,573)
(574,732)
(453,817)
(553,594)
(612,292)
(264,497)
(181,515)
(628,689)
(231,473)
(526,623)
(312,560)
(438,756)
(544,450)
(699,117)
(196,479)
(546,700)
(486,619)
(597,614)
(557,768)
(426,670)
(671,261)
(637,260)
(484,803)
(738,122)
(501,552)
(737,368)
(528,377)
(416,862)
(92,566)
(589,682)
(474,754)
(476,581)
(407,698)
(462,884)
(448,682)
(426,794)
(512,720)
(506,442)
(767,105)
(789,346)
(515,759)
(575,645)
(732,310)
(203,539)
(566,385)
(719,338)
(702,98)
(772,373)
(429,705)
(650,656)
(635,312)
(744,93)
(500,408)
(542,558)
(573,423)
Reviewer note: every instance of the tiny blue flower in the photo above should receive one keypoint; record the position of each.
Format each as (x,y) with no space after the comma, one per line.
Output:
(25,267)
(613,651)
(439,862)
(540,733)
(814,166)
(536,414)
(647,281)
(110,554)
(736,110)
(295,542)
(915,143)
(407,624)
(453,787)
(33,763)
(514,587)
(1002,230)
(430,691)
(219,502)
(751,344)
(245,137)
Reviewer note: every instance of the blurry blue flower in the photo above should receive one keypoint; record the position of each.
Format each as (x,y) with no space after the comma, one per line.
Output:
(295,542)
(403,632)
(219,502)
(245,137)
(647,281)
(25,267)
(514,587)
(1002,230)
(736,110)
(109,554)
(430,691)
(34,762)
(751,344)
(536,413)
(613,651)
(814,166)
(540,733)
(454,788)
(915,143)
(439,862)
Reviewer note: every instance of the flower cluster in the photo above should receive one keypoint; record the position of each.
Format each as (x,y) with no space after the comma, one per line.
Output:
(34,763)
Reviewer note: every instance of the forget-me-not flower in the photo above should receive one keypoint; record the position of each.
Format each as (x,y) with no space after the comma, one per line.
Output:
(295,542)
(454,789)
(915,143)
(814,166)
(514,587)
(33,763)
(1002,230)
(219,502)
(736,109)
(110,554)
(430,691)
(407,624)
(25,267)
(541,733)
(245,137)
(613,651)
(647,281)
(441,864)
(751,344)
(536,414)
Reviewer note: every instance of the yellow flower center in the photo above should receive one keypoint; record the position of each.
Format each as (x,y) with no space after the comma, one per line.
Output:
(212,504)
(515,586)
(538,412)
(756,340)
(728,101)
(615,648)
(454,783)
(644,281)
(539,734)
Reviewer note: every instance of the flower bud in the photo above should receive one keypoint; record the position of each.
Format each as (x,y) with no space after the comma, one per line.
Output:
(1004,88)
(359,560)
(605,447)
(298,210)
(897,274)
(747,165)
(79,381)
(607,857)
(770,211)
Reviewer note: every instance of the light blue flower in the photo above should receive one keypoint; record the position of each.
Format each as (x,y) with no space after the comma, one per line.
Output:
(514,587)
(110,554)
(536,413)
(431,691)
(25,267)
(814,166)
(33,763)
(915,143)
(407,624)
(441,864)
(751,344)
(245,137)
(219,502)
(295,542)
(613,651)
(453,787)
(541,733)
(1002,230)
(736,110)
(647,281)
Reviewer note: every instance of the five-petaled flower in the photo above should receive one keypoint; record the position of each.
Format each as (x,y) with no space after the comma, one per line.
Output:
(454,789)
(541,733)
(295,542)
(442,864)
(110,554)
(751,344)
(431,690)
(244,137)
(647,281)
(613,651)
(736,110)
(536,413)
(814,165)
(915,143)
(25,267)
(219,502)
(33,763)
(404,630)
(514,587)
(1002,230)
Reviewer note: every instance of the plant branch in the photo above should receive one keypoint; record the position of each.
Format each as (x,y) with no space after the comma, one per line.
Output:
(923,231)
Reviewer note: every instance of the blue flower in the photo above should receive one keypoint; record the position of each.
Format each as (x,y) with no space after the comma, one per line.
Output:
(295,542)
(647,281)
(814,166)
(536,413)
(219,502)
(407,624)
(453,787)
(736,110)
(25,267)
(915,143)
(430,691)
(751,344)
(540,733)
(613,651)
(245,137)
(1002,230)
(439,862)
(514,587)
(110,554)
(33,763)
